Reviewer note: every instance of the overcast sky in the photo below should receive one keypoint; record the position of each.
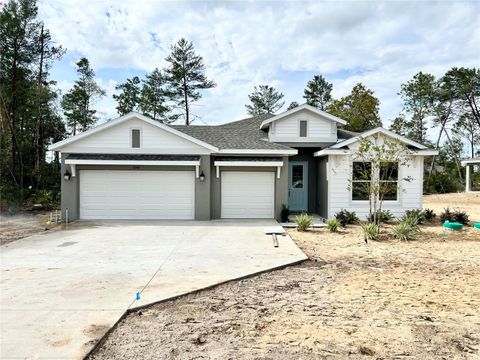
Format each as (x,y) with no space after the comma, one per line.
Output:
(284,44)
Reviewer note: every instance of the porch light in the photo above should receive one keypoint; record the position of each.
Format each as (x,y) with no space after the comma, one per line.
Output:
(202,176)
(67,176)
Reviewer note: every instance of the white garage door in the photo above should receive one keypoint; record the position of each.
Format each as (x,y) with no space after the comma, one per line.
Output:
(118,194)
(247,194)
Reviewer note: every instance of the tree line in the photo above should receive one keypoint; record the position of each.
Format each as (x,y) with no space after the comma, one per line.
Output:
(34,113)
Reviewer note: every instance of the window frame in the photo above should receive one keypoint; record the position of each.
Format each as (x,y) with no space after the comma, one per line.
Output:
(397,196)
(353,181)
(140,138)
(375,177)
(300,128)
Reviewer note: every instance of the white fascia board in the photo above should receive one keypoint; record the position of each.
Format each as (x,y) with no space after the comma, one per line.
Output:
(259,152)
(248,163)
(425,152)
(325,152)
(470,162)
(132,162)
(375,131)
(299,108)
(126,117)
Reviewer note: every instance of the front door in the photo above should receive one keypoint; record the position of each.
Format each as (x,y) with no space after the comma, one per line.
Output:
(298,185)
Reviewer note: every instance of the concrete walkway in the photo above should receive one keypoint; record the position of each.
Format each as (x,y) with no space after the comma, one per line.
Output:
(63,289)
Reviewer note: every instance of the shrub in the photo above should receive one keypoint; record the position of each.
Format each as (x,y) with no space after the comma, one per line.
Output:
(454,216)
(371,231)
(346,217)
(406,230)
(333,225)
(382,216)
(284,213)
(429,214)
(304,221)
(415,216)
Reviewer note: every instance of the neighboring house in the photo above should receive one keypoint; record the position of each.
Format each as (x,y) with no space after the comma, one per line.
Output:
(136,168)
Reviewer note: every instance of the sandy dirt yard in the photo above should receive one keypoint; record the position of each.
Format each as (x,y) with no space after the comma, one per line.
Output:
(469,202)
(15,227)
(382,300)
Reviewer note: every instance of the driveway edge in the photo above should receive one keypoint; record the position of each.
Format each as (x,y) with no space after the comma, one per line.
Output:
(176,297)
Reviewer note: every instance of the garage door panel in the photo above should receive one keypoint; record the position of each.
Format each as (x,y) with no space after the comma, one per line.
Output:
(119,194)
(247,194)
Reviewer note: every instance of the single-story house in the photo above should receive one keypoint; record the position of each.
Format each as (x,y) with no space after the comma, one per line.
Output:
(134,167)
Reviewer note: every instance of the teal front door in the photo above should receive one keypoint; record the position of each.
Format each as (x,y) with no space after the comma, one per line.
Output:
(298,185)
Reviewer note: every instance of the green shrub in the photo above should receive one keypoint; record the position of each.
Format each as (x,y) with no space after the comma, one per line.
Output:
(304,221)
(415,216)
(284,213)
(429,214)
(333,225)
(383,216)
(346,217)
(371,231)
(454,216)
(406,230)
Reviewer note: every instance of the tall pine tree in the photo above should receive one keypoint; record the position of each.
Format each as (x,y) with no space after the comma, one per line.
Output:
(185,76)
(154,96)
(78,103)
(264,99)
(129,97)
(318,92)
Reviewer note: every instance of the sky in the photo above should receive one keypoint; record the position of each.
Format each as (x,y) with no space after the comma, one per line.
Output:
(283,44)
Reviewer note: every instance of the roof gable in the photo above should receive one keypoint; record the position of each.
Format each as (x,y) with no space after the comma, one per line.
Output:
(307,107)
(377,130)
(132,116)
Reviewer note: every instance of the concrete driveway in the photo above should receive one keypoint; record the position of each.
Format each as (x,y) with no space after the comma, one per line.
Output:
(63,289)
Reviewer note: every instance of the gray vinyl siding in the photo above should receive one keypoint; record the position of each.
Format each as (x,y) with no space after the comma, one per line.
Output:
(322,195)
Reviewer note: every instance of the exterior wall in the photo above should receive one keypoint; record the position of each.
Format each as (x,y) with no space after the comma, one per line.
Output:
(319,129)
(117,139)
(281,186)
(340,197)
(71,188)
(307,155)
(322,194)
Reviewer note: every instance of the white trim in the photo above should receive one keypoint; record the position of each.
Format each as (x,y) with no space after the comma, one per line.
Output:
(300,108)
(217,171)
(249,163)
(325,152)
(470,162)
(375,131)
(132,162)
(73,168)
(424,152)
(279,169)
(121,119)
(259,151)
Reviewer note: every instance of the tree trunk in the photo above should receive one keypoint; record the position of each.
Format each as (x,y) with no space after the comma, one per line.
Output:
(457,160)
(187,111)
(38,141)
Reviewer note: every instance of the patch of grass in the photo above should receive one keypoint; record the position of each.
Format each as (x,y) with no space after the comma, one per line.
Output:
(304,221)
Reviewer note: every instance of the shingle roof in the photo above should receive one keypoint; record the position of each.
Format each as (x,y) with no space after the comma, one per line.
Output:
(148,157)
(247,158)
(241,134)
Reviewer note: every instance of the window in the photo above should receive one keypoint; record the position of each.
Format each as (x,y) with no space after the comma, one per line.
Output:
(303,128)
(361,179)
(135,138)
(389,180)
(297,176)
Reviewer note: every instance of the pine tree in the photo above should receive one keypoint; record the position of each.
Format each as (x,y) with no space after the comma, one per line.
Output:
(185,75)
(264,100)
(360,109)
(153,97)
(467,128)
(129,97)
(293,105)
(318,92)
(78,103)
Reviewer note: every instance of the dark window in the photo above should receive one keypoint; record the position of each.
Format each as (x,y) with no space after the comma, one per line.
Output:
(389,180)
(135,138)
(303,128)
(297,176)
(361,180)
